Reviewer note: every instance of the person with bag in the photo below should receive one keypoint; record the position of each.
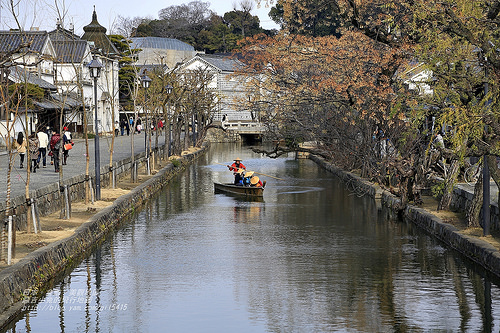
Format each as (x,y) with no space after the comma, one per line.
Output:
(55,145)
(67,144)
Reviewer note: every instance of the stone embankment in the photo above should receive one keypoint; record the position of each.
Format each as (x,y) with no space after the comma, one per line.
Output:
(477,250)
(37,269)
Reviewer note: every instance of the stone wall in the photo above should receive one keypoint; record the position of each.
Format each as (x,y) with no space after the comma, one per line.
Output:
(34,271)
(49,199)
(461,201)
(218,135)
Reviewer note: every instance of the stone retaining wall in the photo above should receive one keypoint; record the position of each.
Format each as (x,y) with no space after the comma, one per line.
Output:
(218,135)
(36,269)
(462,199)
(473,248)
(49,199)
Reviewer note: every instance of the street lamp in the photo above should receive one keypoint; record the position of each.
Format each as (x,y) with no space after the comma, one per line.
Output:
(95,67)
(146,82)
(168,90)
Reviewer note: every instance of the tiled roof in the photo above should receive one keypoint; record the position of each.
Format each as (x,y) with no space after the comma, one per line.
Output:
(10,40)
(62,34)
(147,69)
(57,101)
(70,51)
(68,99)
(226,63)
(20,75)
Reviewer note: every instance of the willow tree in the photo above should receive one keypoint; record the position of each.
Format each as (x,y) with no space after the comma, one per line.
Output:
(459,42)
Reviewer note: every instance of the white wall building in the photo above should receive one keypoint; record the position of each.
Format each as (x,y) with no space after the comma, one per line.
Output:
(108,87)
(228,86)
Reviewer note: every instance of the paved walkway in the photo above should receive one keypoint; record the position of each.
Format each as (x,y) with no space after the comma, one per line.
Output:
(75,164)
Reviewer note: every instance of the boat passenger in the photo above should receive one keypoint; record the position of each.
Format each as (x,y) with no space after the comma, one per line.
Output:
(255,182)
(246,178)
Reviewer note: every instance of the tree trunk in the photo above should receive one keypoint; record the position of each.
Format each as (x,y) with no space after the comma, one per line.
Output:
(87,157)
(132,156)
(112,147)
(403,192)
(450,181)
(475,208)
(494,173)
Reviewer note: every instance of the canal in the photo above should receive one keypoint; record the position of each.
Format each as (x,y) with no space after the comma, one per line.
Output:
(311,257)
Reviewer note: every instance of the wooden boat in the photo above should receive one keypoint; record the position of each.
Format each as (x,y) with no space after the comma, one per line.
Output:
(247,191)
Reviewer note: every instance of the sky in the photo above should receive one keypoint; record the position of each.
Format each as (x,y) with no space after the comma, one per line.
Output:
(42,13)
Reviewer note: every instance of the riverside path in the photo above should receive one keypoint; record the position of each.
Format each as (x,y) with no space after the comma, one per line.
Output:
(75,163)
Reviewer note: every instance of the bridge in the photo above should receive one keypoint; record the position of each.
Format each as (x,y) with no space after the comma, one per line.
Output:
(248,130)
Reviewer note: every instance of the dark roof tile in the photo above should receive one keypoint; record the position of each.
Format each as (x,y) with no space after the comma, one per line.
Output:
(10,40)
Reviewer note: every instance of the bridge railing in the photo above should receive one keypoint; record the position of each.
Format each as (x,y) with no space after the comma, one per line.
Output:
(244,127)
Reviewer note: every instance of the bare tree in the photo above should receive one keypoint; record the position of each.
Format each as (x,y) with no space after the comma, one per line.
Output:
(126,26)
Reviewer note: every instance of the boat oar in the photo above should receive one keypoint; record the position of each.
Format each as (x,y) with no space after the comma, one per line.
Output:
(263,174)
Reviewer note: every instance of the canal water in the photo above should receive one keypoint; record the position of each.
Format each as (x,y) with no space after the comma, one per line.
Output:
(311,257)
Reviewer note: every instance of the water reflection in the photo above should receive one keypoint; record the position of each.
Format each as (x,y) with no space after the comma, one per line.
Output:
(311,257)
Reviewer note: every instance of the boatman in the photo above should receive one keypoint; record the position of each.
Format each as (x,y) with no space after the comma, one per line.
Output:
(235,167)
(238,177)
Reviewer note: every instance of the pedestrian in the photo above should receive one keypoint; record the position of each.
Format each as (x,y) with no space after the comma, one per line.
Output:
(49,135)
(67,144)
(55,145)
(127,126)
(122,127)
(160,127)
(20,145)
(139,128)
(33,146)
(43,142)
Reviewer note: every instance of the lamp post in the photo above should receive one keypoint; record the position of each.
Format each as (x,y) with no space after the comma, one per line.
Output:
(168,90)
(486,178)
(146,82)
(95,67)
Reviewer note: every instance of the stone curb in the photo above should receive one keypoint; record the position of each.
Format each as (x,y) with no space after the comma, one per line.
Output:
(42,266)
(477,250)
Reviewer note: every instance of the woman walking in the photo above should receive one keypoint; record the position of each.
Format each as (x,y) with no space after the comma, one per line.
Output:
(66,139)
(20,145)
